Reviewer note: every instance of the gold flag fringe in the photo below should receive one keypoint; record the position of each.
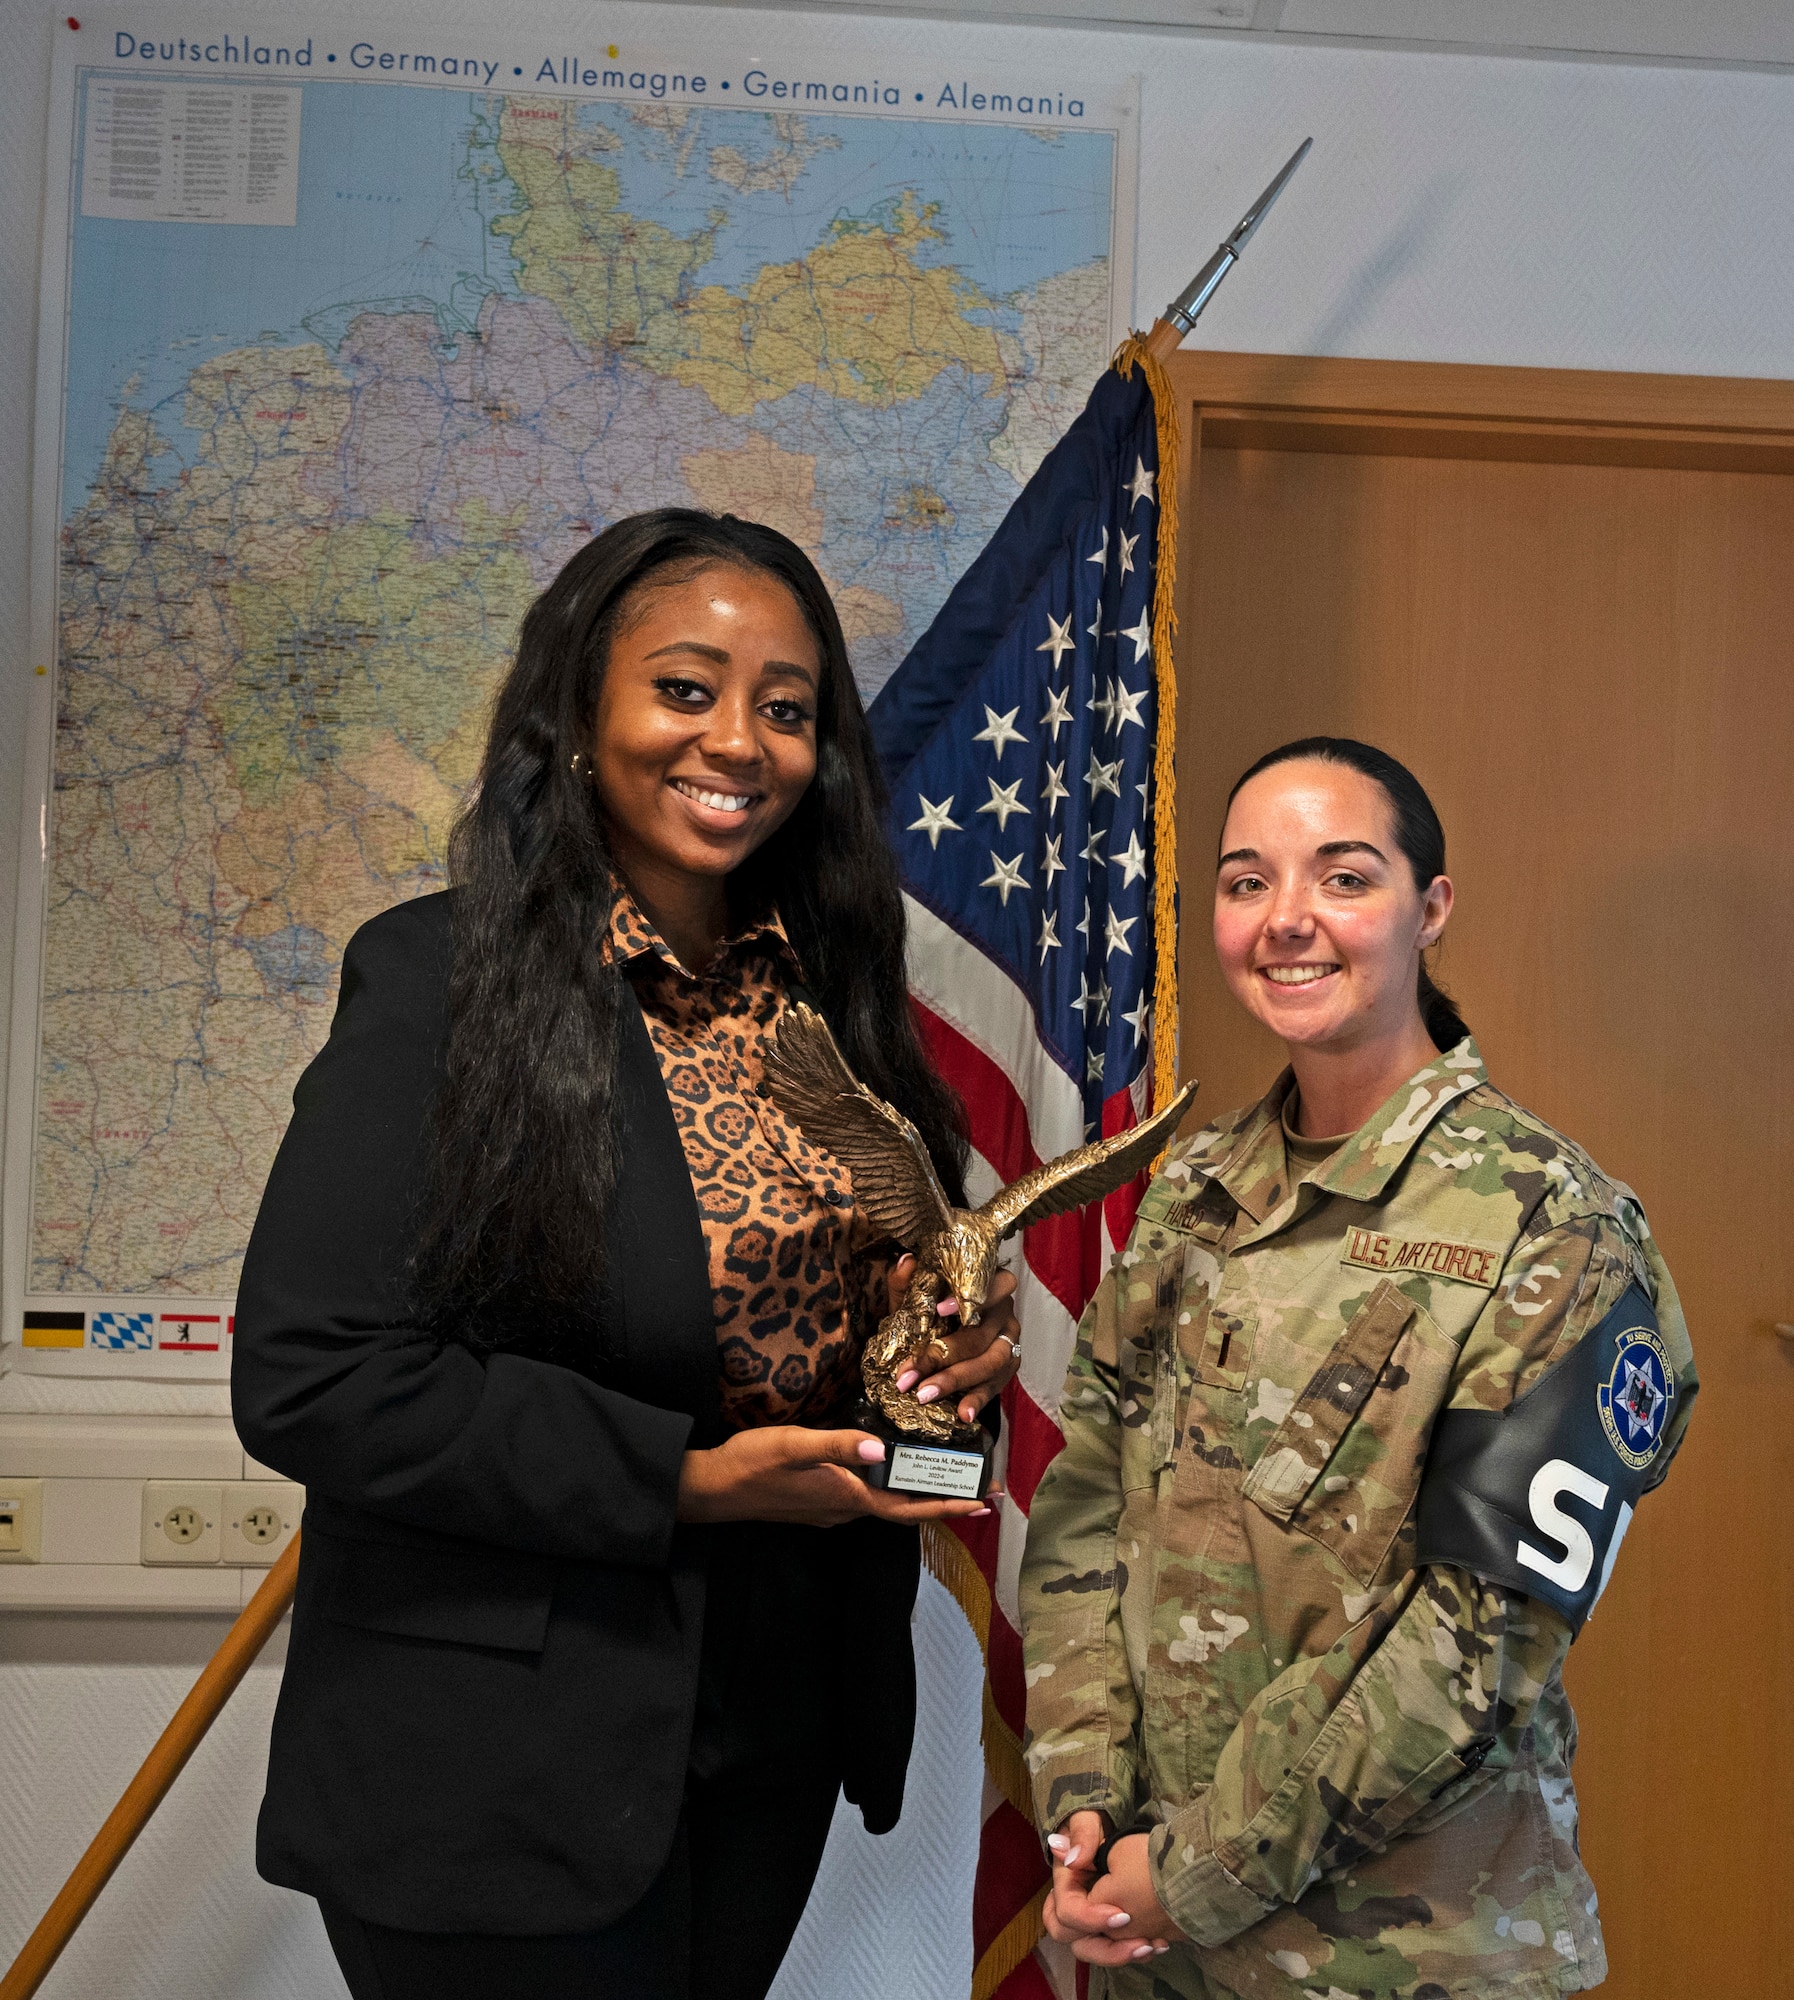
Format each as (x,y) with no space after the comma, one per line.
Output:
(1009,1949)
(1133,351)
(944,1555)
(947,1560)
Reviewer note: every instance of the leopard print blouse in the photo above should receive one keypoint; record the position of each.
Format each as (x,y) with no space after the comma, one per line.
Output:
(795,1289)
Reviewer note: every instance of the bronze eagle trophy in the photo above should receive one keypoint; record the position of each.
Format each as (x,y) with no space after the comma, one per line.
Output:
(956,1248)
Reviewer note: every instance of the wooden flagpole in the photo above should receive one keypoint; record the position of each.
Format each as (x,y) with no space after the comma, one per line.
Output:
(160,1768)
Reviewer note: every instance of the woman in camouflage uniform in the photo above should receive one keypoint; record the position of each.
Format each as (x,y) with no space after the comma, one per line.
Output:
(1352,1432)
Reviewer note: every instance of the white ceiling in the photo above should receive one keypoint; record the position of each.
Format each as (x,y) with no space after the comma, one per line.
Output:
(1733,32)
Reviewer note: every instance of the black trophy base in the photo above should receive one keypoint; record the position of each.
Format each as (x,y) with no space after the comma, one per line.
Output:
(923,1468)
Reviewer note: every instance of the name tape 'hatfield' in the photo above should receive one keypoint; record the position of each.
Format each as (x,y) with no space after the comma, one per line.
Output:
(1433,1256)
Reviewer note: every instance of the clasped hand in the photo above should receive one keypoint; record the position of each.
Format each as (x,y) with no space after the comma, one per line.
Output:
(1112,1919)
(786,1472)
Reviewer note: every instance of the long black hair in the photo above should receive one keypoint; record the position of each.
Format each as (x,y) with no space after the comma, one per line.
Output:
(524,1149)
(1417,833)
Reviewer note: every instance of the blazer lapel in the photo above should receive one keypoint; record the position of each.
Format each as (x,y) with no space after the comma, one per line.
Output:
(659,1267)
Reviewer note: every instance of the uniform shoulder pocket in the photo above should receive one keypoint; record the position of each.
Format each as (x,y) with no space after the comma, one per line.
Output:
(1344,1465)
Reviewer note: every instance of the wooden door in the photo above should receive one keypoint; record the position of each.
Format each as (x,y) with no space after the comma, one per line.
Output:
(1591,668)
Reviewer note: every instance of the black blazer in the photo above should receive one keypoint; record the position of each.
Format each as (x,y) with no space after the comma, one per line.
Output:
(487,1707)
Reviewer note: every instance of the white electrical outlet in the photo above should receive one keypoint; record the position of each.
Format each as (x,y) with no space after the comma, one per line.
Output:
(21,1520)
(258,1521)
(182,1521)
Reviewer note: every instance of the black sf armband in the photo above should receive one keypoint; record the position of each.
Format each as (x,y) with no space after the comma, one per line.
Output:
(1539,1496)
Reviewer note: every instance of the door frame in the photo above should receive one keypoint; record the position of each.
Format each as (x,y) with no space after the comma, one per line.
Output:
(1436,409)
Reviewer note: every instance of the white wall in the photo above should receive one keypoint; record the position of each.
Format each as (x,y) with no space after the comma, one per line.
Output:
(1457,208)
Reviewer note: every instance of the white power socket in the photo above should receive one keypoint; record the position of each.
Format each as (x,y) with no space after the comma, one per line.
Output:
(181,1521)
(258,1520)
(21,1520)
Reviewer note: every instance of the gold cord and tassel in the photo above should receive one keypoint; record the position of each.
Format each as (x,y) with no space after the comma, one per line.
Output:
(1135,350)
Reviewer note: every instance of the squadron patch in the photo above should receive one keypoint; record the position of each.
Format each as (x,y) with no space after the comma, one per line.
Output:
(1636,1398)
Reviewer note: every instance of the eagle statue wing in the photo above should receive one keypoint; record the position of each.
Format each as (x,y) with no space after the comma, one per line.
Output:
(893,1178)
(1086,1174)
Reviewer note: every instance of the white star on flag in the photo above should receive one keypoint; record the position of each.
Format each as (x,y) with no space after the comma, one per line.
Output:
(1104,705)
(1118,928)
(1127,554)
(1003,802)
(1094,1065)
(1140,486)
(1050,864)
(1095,627)
(1131,861)
(1101,558)
(934,821)
(1093,997)
(1049,936)
(1141,635)
(999,731)
(1055,787)
(1058,711)
(1127,705)
(1060,642)
(1089,848)
(1008,875)
(1136,1017)
(1103,777)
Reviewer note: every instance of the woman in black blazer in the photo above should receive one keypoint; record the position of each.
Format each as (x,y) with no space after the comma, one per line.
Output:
(555,1317)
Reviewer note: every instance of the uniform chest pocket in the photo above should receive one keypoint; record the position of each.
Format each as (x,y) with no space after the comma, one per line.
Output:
(1344,1465)
(1147,1351)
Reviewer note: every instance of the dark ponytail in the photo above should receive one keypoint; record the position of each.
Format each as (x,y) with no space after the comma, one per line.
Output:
(1417,833)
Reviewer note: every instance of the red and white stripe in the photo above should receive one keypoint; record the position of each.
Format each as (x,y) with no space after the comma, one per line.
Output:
(1022,1109)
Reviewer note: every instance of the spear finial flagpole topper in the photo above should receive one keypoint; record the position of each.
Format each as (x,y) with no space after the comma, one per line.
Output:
(1184,310)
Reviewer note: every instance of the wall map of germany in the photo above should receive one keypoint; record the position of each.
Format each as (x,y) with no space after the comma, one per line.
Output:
(313,472)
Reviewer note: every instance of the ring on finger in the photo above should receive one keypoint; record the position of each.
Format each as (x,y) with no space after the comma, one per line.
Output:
(1015,1346)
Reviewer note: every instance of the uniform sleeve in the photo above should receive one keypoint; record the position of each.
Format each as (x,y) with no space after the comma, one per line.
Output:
(1345,1751)
(333,1385)
(1083,1714)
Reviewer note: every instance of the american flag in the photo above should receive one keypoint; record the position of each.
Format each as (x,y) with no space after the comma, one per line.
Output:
(1027,744)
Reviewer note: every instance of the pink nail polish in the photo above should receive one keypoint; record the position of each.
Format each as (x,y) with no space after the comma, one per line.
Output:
(976,1514)
(908,1379)
(1143,1951)
(872,1451)
(947,1308)
(928,1395)
(1056,1841)
(1119,1920)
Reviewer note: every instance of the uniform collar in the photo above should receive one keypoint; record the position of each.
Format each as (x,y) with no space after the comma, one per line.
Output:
(633,936)
(1255,1168)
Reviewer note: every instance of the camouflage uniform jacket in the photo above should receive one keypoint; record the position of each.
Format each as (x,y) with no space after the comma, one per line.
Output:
(1355,1771)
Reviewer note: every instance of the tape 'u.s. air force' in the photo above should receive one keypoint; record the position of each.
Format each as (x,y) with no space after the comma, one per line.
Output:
(1539,1496)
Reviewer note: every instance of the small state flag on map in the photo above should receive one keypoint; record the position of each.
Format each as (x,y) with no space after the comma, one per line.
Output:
(54,1329)
(122,1331)
(188,1333)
